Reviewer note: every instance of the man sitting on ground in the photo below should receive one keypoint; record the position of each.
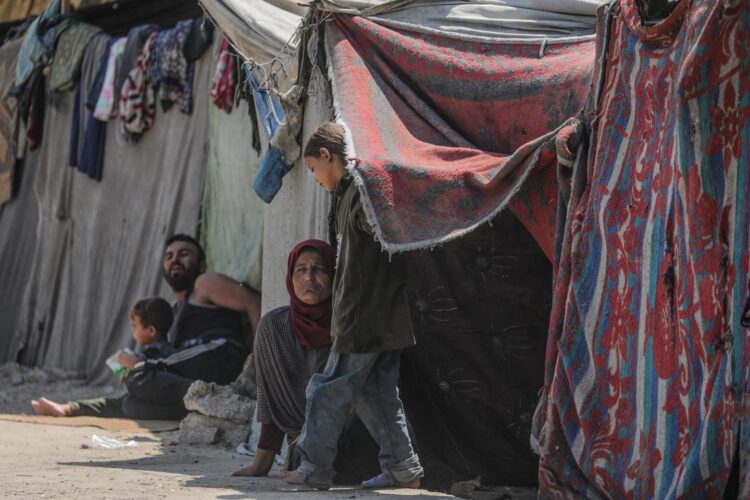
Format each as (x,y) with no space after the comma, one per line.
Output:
(208,333)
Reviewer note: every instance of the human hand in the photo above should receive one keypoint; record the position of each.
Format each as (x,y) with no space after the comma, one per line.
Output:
(127,360)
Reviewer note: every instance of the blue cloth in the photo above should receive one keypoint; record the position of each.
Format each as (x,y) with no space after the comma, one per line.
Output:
(273,165)
(90,158)
(367,384)
(33,49)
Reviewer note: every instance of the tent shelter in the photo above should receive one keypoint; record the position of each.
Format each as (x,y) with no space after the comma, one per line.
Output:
(467,144)
(454,111)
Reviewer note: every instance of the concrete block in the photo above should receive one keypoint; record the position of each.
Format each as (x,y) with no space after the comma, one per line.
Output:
(219,401)
(202,430)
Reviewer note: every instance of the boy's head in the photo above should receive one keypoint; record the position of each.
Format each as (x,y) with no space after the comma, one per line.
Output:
(324,155)
(151,320)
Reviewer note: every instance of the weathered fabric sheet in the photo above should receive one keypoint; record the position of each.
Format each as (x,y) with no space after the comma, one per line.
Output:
(647,378)
(8,118)
(261,28)
(443,133)
(18,238)
(100,244)
(480,309)
(300,209)
(232,217)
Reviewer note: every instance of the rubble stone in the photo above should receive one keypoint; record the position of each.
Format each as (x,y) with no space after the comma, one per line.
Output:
(245,383)
(220,402)
(202,430)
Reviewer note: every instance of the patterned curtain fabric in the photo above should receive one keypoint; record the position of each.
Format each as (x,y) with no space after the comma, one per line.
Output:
(647,381)
(445,132)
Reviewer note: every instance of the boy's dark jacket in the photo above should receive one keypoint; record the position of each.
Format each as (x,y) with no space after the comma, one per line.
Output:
(370,308)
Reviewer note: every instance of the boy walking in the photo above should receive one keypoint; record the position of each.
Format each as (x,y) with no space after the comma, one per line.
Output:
(369,327)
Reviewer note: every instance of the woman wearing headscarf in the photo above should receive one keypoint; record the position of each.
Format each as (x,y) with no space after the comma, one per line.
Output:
(292,344)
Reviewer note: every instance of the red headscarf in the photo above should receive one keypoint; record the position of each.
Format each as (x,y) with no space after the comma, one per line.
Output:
(311,325)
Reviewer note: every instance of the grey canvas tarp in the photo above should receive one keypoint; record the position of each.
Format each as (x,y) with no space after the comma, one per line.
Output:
(18,221)
(260,30)
(99,244)
(232,219)
(300,209)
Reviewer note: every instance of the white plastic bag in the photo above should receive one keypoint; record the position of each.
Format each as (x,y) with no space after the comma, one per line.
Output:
(110,443)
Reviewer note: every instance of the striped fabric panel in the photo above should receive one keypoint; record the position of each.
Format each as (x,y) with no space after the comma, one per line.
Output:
(647,368)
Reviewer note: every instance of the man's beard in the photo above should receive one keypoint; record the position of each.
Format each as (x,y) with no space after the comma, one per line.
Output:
(184,280)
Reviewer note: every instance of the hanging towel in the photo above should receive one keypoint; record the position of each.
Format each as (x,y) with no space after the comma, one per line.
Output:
(198,40)
(106,100)
(225,77)
(137,97)
(136,39)
(88,135)
(66,63)
(171,73)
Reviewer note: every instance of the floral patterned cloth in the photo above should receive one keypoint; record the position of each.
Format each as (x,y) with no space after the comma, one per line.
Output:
(137,97)
(170,73)
(225,77)
(648,380)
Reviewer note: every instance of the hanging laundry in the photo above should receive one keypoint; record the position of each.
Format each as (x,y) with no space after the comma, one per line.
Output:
(105,102)
(137,97)
(32,48)
(199,39)
(66,63)
(136,39)
(170,73)
(225,77)
(32,108)
(88,135)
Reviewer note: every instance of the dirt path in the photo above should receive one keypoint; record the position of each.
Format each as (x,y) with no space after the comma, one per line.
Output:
(49,461)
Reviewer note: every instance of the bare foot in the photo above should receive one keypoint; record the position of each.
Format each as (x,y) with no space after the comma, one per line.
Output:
(44,406)
(384,480)
(261,465)
(413,484)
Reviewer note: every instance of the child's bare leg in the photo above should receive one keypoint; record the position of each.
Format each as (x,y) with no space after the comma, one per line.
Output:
(44,406)
(262,463)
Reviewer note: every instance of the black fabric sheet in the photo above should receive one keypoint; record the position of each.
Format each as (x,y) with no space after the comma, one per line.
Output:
(480,307)
(118,18)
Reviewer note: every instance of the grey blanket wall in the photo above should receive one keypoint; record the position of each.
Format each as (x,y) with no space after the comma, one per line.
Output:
(99,244)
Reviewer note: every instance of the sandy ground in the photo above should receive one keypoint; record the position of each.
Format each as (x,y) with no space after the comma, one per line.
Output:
(49,461)
(62,462)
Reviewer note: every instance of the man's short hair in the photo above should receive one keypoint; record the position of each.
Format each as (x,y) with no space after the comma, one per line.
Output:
(155,312)
(188,239)
(330,136)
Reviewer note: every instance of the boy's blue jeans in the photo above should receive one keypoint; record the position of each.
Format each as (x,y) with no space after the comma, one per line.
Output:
(368,384)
